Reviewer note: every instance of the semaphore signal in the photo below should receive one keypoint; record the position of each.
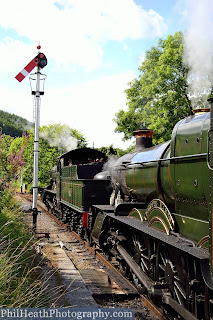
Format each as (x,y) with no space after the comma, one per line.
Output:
(40,61)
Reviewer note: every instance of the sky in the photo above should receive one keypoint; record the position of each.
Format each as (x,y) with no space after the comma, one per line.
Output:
(93,48)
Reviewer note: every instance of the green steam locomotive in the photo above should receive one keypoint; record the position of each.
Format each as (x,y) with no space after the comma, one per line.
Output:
(151,210)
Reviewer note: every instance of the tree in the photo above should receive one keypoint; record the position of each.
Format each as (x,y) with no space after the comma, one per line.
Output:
(15,160)
(47,159)
(158,98)
(10,164)
(12,124)
(62,137)
(5,142)
(54,140)
(112,151)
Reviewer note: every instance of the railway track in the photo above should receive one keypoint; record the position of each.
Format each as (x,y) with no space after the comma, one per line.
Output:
(104,281)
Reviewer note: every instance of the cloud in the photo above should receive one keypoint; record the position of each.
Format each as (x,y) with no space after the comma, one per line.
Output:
(142,58)
(74,31)
(17,101)
(73,36)
(89,107)
(12,53)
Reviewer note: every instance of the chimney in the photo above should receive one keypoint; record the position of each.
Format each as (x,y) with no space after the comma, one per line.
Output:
(143,139)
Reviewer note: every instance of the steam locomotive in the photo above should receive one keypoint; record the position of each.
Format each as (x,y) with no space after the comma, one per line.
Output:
(151,210)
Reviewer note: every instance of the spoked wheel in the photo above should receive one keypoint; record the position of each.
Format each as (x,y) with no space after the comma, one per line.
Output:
(142,255)
(171,269)
(202,295)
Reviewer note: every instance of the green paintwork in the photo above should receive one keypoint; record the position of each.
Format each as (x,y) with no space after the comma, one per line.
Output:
(204,242)
(159,216)
(142,180)
(58,188)
(96,232)
(69,172)
(210,166)
(190,177)
(73,192)
(81,194)
(182,183)
(138,214)
(159,226)
(158,213)
(191,228)
(206,245)
(165,176)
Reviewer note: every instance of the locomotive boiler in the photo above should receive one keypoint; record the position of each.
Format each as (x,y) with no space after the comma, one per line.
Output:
(172,178)
(152,212)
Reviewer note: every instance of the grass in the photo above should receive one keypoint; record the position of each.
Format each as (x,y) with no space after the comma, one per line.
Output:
(26,280)
(20,277)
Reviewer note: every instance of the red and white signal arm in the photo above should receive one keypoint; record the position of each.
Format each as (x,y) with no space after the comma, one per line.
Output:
(40,60)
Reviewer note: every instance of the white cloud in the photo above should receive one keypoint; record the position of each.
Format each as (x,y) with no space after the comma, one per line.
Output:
(88,107)
(142,58)
(74,34)
(13,52)
(19,102)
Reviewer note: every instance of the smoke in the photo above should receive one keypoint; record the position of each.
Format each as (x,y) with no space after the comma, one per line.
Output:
(198,50)
(60,137)
(29,126)
(109,164)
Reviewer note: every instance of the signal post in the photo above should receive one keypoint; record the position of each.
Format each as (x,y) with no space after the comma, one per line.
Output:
(40,61)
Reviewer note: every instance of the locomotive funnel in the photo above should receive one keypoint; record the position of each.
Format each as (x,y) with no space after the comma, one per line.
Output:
(143,139)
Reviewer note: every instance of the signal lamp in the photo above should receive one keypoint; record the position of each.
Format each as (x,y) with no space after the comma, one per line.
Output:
(42,60)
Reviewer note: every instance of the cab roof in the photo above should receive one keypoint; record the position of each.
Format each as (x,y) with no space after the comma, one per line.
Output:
(84,155)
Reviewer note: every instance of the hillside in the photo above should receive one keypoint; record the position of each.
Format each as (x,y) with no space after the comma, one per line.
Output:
(13,125)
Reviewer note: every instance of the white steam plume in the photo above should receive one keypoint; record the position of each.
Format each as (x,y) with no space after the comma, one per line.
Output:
(198,50)
(64,141)
(109,164)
